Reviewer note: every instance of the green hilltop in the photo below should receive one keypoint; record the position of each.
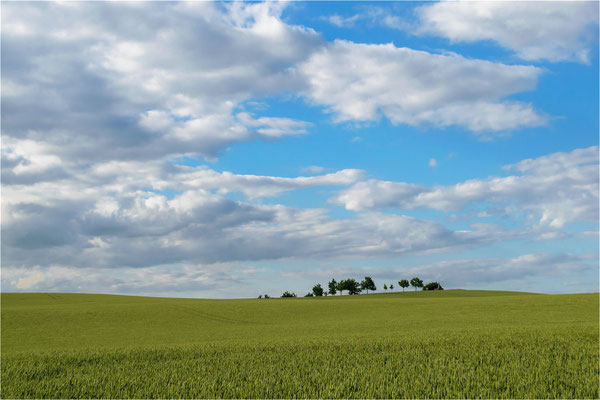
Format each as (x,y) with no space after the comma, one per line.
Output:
(452,343)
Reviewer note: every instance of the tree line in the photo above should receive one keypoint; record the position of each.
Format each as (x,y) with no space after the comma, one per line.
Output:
(352,286)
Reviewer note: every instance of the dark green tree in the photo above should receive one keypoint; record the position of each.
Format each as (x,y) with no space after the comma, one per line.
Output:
(433,286)
(416,283)
(384,287)
(340,287)
(368,284)
(352,286)
(317,290)
(403,284)
(332,287)
(309,294)
(391,286)
(288,294)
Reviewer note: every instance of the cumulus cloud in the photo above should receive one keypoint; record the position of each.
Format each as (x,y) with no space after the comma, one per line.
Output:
(139,214)
(164,280)
(362,82)
(95,107)
(553,31)
(485,271)
(556,189)
(102,88)
(145,229)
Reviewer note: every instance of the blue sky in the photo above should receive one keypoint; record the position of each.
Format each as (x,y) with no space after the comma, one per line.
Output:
(235,149)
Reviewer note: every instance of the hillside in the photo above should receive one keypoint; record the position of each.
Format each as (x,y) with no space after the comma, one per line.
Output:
(426,344)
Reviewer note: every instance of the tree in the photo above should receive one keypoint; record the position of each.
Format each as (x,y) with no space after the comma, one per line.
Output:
(260,296)
(368,284)
(317,290)
(433,286)
(352,286)
(416,283)
(332,287)
(403,284)
(340,287)
(288,294)
(384,286)
(267,296)
(309,294)
(392,286)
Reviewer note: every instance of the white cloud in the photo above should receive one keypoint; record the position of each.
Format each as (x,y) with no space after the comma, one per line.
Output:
(556,189)
(362,82)
(314,169)
(369,15)
(29,281)
(534,30)
(341,21)
(182,73)
(433,162)
(163,280)
(470,272)
(103,214)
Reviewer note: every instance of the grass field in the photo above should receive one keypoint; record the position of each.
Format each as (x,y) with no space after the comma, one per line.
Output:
(453,343)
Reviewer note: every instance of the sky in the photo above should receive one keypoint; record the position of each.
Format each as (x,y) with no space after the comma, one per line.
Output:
(229,150)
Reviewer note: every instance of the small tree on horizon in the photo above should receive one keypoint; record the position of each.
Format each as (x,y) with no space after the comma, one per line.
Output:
(317,290)
(332,287)
(392,287)
(385,287)
(288,294)
(433,286)
(403,284)
(368,284)
(352,286)
(340,287)
(416,283)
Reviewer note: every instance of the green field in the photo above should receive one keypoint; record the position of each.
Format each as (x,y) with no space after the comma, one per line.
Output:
(452,343)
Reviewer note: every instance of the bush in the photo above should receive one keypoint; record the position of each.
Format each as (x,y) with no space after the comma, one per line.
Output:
(288,294)
(433,286)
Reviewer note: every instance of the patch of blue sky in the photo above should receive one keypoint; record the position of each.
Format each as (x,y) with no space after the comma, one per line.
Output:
(382,23)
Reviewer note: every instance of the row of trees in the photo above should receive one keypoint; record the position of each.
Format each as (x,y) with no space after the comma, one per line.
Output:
(416,283)
(352,286)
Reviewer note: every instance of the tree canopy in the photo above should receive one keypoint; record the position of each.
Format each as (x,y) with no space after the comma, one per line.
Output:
(351,285)
(317,290)
(368,284)
(403,284)
(332,287)
(433,286)
(416,283)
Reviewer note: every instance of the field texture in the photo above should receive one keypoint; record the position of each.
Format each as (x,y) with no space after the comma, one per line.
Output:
(457,344)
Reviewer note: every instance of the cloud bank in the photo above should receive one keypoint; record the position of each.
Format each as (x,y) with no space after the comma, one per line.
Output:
(555,189)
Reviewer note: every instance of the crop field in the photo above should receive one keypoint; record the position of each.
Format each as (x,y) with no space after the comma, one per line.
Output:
(447,344)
